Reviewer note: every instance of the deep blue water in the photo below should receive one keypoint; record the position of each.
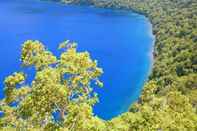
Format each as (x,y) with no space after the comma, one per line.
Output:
(121,41)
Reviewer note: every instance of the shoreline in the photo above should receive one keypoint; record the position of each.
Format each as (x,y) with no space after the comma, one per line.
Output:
(150,52)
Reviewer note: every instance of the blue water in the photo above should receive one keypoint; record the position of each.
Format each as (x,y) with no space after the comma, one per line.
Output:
(121,41)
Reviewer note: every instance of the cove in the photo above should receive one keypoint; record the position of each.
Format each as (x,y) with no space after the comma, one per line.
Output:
(121,41)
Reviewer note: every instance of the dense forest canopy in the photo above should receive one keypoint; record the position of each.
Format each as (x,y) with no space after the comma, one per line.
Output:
(168,100)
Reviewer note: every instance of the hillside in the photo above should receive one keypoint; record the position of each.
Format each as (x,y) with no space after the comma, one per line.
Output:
(168,101)
(169,97)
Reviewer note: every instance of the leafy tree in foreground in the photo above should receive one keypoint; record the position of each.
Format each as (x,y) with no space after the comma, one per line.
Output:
(61,85)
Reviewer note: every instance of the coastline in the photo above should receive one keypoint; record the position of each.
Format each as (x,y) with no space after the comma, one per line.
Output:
(167,100)
(146,28)
(150,53)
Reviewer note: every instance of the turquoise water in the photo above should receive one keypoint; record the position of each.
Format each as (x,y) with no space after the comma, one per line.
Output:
(121,41)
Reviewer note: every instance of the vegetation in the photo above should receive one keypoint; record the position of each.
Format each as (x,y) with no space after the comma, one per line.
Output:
(61,86)
(167,103)
(169,99)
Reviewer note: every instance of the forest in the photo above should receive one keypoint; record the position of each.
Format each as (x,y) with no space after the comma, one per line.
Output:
(168,101)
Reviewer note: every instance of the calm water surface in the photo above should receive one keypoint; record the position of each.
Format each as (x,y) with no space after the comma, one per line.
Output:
(121,41)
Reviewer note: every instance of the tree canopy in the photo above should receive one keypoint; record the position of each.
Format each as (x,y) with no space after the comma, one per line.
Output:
(63,85)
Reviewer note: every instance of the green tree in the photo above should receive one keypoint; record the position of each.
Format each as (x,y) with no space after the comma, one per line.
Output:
(61,85)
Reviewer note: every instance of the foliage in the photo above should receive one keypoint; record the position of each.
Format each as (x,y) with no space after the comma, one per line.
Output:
(61,85)
(168,101)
